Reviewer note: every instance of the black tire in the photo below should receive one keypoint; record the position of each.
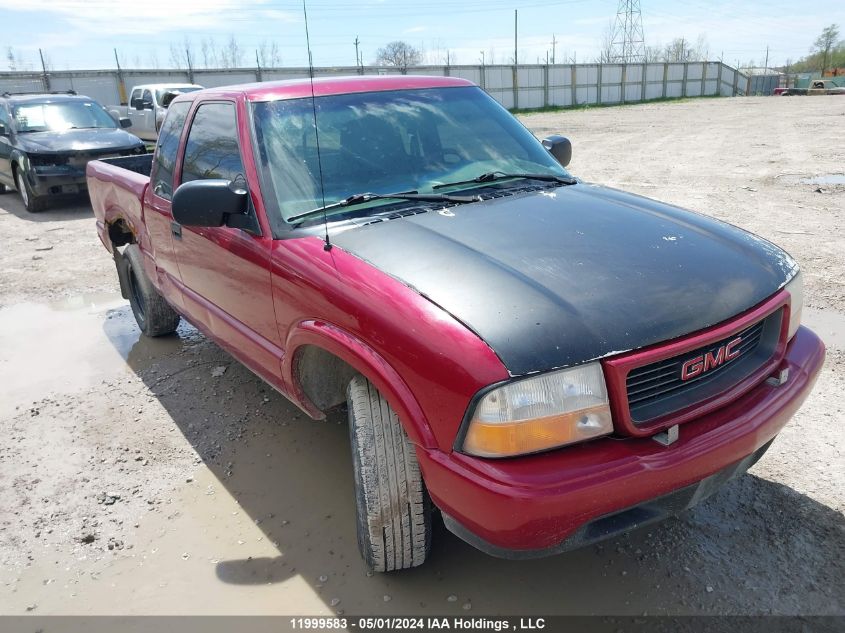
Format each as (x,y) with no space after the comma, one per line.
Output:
(392,505)
(153,314)
(33,203)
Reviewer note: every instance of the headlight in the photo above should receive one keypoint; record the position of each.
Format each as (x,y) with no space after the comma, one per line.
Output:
(795,288)
(539,413)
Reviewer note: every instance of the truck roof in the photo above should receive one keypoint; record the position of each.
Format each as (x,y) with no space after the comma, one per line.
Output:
(297,88)
(165,86)
(43,97)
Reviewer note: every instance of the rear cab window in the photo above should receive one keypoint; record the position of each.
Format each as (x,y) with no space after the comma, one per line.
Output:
(212,150)
(164,162)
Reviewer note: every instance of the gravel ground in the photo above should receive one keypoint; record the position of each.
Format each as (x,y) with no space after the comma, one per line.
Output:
(160,476)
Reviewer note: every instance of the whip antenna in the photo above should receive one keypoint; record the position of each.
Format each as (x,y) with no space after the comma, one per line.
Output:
(328,245)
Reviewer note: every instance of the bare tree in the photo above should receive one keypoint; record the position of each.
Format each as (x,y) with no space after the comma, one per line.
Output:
(652,54)
(399,54)
(182,56)
(606,45)
(152,60)
(825,42)
(208,51)
(681,49)
(701,50)
(231,55)
(268,55)
(12,59)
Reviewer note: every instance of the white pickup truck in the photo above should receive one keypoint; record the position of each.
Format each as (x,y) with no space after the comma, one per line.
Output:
(147,107)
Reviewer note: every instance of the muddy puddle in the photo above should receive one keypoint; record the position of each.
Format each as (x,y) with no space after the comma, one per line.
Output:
(72,344)
(819,180)
(830,179)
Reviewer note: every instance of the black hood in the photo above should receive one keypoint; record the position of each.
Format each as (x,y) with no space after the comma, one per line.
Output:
(86,140)
(576,273)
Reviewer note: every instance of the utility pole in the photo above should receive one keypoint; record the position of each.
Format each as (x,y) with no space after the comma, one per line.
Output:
(448,59)
(190,65)
(357,64)
(515,22)
(554,46)
(121,85)
(258,74)
(482,57)
(45,77)
(766,66)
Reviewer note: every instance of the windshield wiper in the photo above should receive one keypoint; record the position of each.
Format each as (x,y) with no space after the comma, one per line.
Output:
(492,176)
(361,198)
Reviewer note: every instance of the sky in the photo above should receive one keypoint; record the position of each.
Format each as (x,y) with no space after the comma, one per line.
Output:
(81,34)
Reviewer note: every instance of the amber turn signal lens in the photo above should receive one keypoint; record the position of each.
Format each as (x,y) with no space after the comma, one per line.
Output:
(531,436)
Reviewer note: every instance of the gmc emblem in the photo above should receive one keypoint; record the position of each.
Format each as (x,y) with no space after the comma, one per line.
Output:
(700,364)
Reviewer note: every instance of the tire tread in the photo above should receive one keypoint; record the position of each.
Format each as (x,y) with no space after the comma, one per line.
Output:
(394,511)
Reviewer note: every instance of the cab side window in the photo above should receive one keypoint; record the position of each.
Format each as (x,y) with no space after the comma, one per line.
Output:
(4,118)
(211,150)
(168,146)
(135,99)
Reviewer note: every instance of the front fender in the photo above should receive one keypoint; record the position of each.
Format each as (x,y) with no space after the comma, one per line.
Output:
(363,359)
(20,159)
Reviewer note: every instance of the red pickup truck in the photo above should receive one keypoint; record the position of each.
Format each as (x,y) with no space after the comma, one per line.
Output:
(542,361)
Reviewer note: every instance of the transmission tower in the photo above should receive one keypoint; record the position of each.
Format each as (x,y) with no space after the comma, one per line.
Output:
(628,44)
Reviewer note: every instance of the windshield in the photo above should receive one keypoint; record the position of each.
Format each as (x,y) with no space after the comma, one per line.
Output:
(175,89)
(382,142)
(55,117)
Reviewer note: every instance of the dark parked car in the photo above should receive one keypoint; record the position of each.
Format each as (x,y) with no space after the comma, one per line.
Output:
(46,140)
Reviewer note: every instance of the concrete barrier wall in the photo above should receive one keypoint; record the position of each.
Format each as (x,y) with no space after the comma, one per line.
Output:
(525,87)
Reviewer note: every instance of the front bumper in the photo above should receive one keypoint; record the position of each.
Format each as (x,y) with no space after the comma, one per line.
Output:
(543,504)
(58,180)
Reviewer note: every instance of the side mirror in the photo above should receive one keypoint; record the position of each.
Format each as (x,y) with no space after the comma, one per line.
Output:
(209,203)
(124,122)
(560,147)
(4,131)
(137,104)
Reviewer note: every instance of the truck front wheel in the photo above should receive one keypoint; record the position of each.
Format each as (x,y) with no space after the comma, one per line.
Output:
(153,314)
(32,202)
(392,505)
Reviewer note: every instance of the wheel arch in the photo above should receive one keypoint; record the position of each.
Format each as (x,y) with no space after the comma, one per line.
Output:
(314,345)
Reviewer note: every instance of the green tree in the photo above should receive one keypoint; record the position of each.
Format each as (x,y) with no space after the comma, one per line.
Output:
(825,42)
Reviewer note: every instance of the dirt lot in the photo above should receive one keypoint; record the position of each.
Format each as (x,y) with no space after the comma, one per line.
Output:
(160,476)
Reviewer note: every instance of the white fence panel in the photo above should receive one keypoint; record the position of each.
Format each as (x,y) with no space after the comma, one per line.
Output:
(633,92)
(654,91)
(537,85)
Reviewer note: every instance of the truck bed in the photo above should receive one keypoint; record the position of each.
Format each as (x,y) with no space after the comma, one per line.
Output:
(117,187)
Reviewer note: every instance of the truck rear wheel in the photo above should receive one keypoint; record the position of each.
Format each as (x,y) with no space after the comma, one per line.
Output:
(153,314)
(392,505)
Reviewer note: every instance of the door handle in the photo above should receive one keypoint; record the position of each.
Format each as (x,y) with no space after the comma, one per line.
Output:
(176,230)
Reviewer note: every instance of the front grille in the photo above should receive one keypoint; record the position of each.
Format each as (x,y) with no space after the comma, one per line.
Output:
(657,389)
